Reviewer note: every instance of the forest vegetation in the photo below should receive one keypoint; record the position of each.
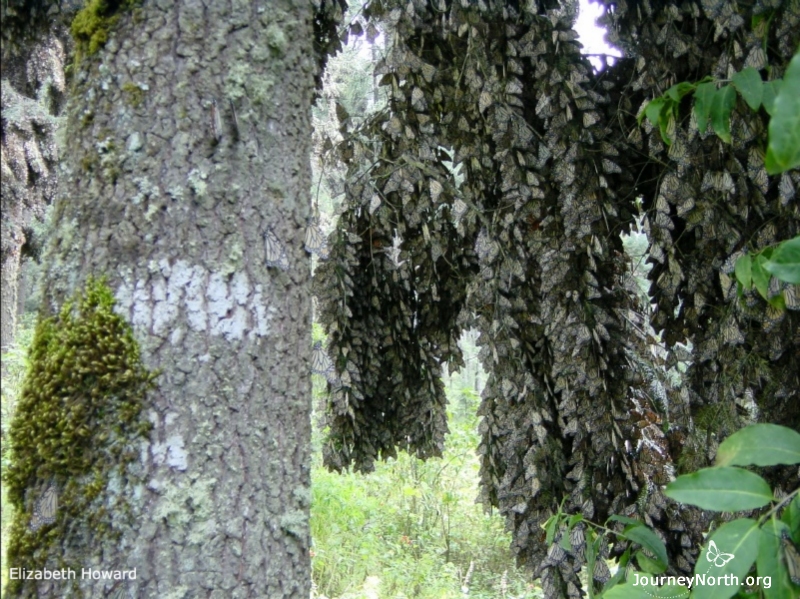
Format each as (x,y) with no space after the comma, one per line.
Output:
(590,275)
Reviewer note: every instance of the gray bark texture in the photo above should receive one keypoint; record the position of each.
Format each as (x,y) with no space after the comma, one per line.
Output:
(31,97)
(185,183)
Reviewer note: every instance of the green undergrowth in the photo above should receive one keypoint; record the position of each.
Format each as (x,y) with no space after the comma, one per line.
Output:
(413,528)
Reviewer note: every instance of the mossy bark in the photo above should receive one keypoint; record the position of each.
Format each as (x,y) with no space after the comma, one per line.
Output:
(170,198)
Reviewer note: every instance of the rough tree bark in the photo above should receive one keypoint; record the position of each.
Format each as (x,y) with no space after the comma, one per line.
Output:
(188,137)
(32,95)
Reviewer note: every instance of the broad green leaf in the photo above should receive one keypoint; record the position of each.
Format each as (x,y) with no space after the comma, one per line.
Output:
(653,110)
(627,591)
(703,97)
(648,564)
(721,106)
(760,445)
(734,549)
(748,83)
(744,271)
(761,276)
(791,516)
(769,93)
(770,561)
(785,261)
(641,586)
(677,91)
(783,149)
(721,489)
(638,533)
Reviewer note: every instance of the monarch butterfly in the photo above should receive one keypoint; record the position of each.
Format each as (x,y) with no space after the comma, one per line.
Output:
(601,572)
(320,362)
(44,510)
(791,297)
(786,189)
(275,252)
(315,242)
(757,57)
(792,555)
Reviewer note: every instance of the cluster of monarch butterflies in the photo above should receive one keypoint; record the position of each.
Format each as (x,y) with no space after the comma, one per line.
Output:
(563,172)
(45,508)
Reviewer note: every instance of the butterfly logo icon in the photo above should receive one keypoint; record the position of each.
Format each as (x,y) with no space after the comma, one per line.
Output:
(716,557)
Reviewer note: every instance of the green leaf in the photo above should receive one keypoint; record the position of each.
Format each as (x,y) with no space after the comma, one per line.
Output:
(791,516)
(721,107)
(625,520)
(760,445)
(744,271)
(770,561)
(721,489)
(784,263)
(748,83)
(703,97)
(769,93)
(550,527)
(783,149)
(638,533)
(648,564)
(677,91)
(653,110)
(574,519)
(628,591)
(739,540)
(761,276)
(642,586)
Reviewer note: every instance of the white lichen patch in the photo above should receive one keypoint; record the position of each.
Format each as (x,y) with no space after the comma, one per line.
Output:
(225,305)
(197,181)
(188,505)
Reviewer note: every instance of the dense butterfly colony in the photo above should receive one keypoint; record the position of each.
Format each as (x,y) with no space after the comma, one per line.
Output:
(714,201)
(525,247)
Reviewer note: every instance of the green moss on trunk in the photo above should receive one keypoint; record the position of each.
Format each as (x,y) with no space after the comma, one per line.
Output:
(76,428)
(91,25)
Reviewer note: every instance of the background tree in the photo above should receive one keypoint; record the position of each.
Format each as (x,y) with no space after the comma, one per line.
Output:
(524,245)
(186,189)
(33,87)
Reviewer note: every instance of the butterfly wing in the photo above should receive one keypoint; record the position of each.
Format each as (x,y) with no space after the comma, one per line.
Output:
(792,555)
(315,241)
(320,362)
(44,510)
(275,252)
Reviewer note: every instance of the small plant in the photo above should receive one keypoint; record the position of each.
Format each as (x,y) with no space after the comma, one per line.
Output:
(746,557)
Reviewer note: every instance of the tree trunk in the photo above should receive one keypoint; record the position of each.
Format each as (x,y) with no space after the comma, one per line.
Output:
(186,186)
(32,92)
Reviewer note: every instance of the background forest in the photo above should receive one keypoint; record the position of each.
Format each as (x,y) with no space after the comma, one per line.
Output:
(590,274)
